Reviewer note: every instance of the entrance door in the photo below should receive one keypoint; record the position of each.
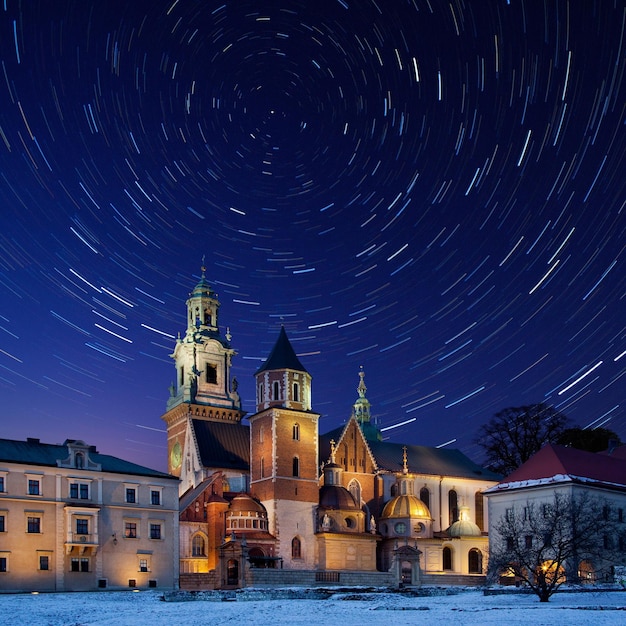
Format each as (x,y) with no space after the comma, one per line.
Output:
(232,572)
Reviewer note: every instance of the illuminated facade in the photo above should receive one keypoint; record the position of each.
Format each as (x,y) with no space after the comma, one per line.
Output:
(72,519)
(341,502)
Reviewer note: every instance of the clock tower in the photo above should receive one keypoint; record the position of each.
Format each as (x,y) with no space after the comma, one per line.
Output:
(203,390)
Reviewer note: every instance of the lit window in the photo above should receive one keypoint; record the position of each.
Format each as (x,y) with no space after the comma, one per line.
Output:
(197,546)
(130,530)
(33,525)
(155,531)
(143,565)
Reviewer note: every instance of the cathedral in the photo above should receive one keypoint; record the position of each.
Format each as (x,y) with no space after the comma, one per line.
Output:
(266,498)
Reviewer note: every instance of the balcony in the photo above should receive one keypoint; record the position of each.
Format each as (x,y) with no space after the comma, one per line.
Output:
(81,543)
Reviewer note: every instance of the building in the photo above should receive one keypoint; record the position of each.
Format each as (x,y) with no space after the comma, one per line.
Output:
(72,519)
(266,493)
(555,470)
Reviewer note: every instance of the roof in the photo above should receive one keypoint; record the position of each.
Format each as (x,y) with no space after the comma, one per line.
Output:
(223,444)
(282,356)
(568,464)
(33,452)
(420,459)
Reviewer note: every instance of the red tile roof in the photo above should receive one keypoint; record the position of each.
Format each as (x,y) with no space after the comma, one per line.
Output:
(553,460)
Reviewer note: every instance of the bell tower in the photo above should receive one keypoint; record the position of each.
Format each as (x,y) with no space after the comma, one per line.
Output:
(284,446)
(203,388)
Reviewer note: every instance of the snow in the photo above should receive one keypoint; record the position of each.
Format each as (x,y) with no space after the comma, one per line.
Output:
(146,608)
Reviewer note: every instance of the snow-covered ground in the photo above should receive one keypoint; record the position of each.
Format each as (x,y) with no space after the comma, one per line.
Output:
(146,608)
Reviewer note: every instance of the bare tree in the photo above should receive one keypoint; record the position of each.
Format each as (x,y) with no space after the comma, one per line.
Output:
(590,439)
(544,544)
(513,435)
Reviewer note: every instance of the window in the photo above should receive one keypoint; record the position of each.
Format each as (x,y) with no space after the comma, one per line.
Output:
(131,495)
(447,558)
(33,524)
(262,467)
(79,490)
(425,496)
(547,539)
(275,390)
(296,466)
(453,507)
(130,530)
(605,513)
(296,432)
(82,526)
(4,565)
(475,561)
(211,374)
(181,380)
(480,509)
(155,497)
(509,515)
(155,531)
(620,515)
(79,459)
(400,528)
(3,527)
(296,392)
(296,548)
(510,544)
(78,564)
(546,510)
(1,484)
(44,562)
(34,486)
(528,541)
(198,546)
(261,434)
(143,565)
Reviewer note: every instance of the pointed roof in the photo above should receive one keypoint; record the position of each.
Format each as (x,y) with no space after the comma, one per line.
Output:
(282,356)
(563,464)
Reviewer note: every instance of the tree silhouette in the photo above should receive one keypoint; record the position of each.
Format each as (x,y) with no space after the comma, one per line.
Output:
(514,434)
(592,440)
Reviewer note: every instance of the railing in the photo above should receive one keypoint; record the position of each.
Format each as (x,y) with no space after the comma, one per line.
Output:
(327,577)
(82,538)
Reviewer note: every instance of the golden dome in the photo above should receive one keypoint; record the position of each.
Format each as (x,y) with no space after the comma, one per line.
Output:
(406,506)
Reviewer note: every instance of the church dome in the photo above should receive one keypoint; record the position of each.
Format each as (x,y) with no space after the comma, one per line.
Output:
(464,528)
(243,503)
(405,506)
(337,497)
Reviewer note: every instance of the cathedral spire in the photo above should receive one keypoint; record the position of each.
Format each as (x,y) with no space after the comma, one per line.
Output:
(361,408)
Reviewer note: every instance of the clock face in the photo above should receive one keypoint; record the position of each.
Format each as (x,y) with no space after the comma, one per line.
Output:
(176,456)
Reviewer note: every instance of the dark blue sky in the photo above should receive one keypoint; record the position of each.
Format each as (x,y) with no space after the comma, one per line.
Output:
(433,190)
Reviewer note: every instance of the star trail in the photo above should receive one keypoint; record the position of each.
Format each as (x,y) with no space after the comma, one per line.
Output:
(433,190)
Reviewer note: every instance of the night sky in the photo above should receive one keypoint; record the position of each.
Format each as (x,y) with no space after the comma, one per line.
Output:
(433,190)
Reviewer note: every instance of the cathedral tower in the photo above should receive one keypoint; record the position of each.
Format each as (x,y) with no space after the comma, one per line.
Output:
(203,390)
(284,453)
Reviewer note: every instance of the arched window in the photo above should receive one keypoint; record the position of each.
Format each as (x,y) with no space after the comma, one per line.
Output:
(355,489)
(480,511)
(296,466)
(261,434)
(182,376)
(453,507)
(275,390)
(296,432)
(425,496)
(198,546)
(296,548)
(447,558)
(296,392)
(475,561)
(260,392)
